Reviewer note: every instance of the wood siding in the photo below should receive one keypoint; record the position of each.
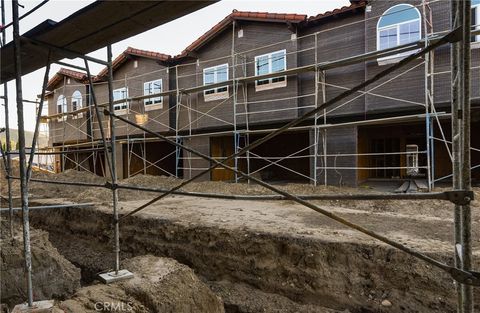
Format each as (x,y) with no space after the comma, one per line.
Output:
(69,129)
(127,75)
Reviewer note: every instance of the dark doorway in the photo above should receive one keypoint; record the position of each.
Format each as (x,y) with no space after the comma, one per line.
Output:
(152,158)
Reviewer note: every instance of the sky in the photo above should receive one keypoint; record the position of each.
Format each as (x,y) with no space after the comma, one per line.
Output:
(170,38)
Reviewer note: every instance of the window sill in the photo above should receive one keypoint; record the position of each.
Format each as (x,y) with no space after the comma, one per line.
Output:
(216,96)
(391,59)
(475,45)
(271,86)
(152,107)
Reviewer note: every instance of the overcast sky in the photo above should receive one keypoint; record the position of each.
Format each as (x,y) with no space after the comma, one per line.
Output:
(170,38)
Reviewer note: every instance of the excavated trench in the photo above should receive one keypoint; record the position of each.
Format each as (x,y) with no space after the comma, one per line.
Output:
(245,266)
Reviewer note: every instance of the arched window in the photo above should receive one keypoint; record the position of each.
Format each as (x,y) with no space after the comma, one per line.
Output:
(398,25)
(61,104)
(76,100)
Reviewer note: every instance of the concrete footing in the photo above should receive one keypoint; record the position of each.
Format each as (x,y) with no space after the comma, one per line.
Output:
(45,306)
(112,277)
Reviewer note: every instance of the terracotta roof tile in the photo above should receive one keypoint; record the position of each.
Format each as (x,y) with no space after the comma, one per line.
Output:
(235,15)
(65,72)
(243,15)
(119,60)
(352,7)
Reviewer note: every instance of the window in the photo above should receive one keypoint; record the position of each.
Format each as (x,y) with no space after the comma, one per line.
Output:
(213,75)
(399,25)
(150,88)
(62,106)
(476,18)
(270,63)
(119,94)
(77,103)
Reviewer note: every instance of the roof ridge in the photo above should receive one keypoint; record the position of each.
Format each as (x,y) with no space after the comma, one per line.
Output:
(235,14)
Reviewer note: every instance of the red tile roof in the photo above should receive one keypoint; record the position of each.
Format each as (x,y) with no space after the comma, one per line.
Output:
(119,60)
(299,19)
(65,72)
(239,15)
(355,4)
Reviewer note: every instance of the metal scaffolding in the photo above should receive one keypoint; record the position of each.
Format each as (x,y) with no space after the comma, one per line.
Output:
(240,128)
(460,195)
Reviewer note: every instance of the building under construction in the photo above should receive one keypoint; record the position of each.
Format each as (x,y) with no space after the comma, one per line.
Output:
(393,130)
(383,91)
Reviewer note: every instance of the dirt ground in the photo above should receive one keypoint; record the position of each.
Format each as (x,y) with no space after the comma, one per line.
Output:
(158,285)
(53,275)
(254,252)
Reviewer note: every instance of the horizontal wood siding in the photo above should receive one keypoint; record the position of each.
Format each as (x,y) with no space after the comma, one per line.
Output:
(219,113)
(134,78)
(336,39)
(68,129)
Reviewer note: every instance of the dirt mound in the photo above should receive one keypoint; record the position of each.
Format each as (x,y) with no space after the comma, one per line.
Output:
(279,249)
(436,208)
(238,298)
(159,285)
(53,275)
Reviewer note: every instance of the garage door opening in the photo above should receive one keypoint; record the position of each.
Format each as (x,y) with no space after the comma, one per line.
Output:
(383,151)
(152,158)
(285,158)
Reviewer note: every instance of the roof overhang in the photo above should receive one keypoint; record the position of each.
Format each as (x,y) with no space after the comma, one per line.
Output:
(91,28)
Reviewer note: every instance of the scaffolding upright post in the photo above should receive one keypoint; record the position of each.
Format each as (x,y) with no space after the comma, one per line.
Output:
(429,89)
(460,64)
(178,152)
(315,128)
(22,155)
(8,144)
(38,119)
(113,164)
(247,122)
(236,135)
(467,290)
(324,133)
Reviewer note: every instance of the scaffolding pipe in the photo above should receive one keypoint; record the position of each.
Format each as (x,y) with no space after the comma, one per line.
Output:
(456,273)
(8,144)
(55,206)
(445,195)
(22,155)
(451,36)
(455,94)
(114,160)
(39,115)
(460,64)
(467,290)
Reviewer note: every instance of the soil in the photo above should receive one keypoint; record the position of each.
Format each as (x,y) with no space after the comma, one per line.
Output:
(257,252)
(277,248)
(158,285)
(53,275)
(238,298)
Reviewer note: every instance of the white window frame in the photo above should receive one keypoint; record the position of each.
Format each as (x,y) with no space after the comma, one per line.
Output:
(79,102)
(271,84)
(63,106)
(476,43)
(122,107)
(217,94)
(157,102)
(397,57)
